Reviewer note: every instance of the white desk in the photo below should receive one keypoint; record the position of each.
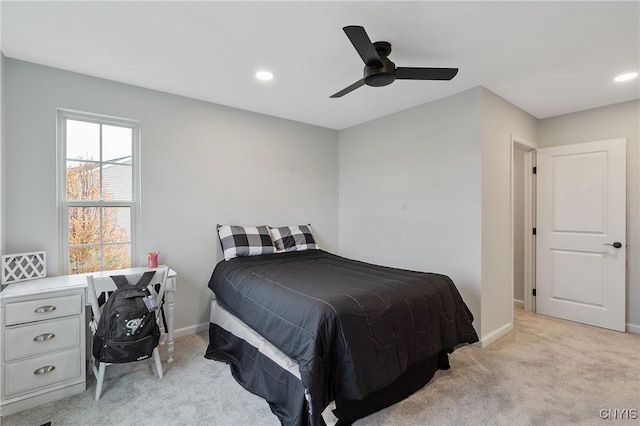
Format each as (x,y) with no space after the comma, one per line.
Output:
(69,292)
(169,298)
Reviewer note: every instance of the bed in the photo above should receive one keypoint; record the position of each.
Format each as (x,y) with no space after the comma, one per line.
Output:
(325,339)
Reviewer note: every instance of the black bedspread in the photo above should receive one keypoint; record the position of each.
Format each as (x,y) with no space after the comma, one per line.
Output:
(354,328)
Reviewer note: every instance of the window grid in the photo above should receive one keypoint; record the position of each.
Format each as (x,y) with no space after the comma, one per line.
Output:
(104,204)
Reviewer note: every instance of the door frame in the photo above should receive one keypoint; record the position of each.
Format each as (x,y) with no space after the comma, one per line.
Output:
(529,220)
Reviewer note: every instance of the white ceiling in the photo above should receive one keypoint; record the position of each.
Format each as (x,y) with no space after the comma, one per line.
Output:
(548,58)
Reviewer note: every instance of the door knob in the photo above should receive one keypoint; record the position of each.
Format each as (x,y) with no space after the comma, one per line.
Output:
(614,245)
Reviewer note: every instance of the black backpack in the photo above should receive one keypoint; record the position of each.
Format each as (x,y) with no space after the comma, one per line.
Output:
(127,330)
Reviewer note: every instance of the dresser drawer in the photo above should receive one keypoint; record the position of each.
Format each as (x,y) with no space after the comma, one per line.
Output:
(42,309)
(40,372)
(41,338)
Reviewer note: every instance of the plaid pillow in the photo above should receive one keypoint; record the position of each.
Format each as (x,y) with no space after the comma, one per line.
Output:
(245,241)
(293,238)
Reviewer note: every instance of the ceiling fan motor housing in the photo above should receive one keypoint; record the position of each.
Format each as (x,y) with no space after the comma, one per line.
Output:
(380,75)
(376,74)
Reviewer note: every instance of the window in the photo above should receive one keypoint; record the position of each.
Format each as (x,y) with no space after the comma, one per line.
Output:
(98,175)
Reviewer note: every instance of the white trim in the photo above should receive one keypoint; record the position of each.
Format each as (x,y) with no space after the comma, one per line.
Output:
(517,303)
(192,329)
(526,145)
(529,238)
(633,328)
(136,214)
(495,335)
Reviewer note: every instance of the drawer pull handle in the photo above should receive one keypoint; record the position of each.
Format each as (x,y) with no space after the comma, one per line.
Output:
(45,309)
(43,337)
(45,370)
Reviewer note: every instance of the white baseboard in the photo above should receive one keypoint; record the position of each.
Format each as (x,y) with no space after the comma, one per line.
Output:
(486,341)
(517,303)
(192,329)
(633,328)
(495,335)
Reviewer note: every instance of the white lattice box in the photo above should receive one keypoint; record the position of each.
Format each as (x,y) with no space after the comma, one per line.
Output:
(23,266)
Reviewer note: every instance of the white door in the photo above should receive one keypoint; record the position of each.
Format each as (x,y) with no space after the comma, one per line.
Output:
(581,206)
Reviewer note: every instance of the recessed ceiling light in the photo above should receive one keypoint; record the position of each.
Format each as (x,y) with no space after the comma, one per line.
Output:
(626,77)
(264,75)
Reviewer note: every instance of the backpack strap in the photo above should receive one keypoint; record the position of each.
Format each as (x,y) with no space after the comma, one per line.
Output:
(121,280)
(145,279)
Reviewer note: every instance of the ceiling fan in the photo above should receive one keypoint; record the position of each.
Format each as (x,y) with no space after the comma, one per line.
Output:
(379,70)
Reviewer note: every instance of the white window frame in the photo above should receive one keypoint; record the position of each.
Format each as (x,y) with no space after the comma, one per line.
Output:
(61,175)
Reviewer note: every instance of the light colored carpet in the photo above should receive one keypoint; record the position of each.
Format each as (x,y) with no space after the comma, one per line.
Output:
(545,372)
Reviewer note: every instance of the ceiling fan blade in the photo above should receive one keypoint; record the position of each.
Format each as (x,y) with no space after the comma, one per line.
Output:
(404,73)
(360,40)
(346,90)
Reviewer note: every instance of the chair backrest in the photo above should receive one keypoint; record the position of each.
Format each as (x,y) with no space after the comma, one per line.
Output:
(102,283)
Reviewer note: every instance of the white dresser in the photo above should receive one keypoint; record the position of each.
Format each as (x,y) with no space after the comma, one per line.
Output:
(42,342)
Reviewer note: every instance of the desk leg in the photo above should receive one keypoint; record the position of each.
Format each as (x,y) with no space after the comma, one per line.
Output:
(170,306)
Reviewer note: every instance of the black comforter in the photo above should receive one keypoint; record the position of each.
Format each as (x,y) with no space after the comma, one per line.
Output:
(354,328)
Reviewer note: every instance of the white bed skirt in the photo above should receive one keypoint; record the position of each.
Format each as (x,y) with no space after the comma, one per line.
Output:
(229,322)
(232,324)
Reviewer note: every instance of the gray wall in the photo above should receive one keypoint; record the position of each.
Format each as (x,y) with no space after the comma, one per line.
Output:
(429,189)
(202,164)
(610,122)
(500,120)
(410,191)
(2,138)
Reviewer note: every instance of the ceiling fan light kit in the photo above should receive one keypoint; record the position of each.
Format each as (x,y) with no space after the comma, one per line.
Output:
(378,68)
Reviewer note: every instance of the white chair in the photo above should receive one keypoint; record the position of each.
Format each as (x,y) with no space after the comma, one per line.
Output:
(104,284)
